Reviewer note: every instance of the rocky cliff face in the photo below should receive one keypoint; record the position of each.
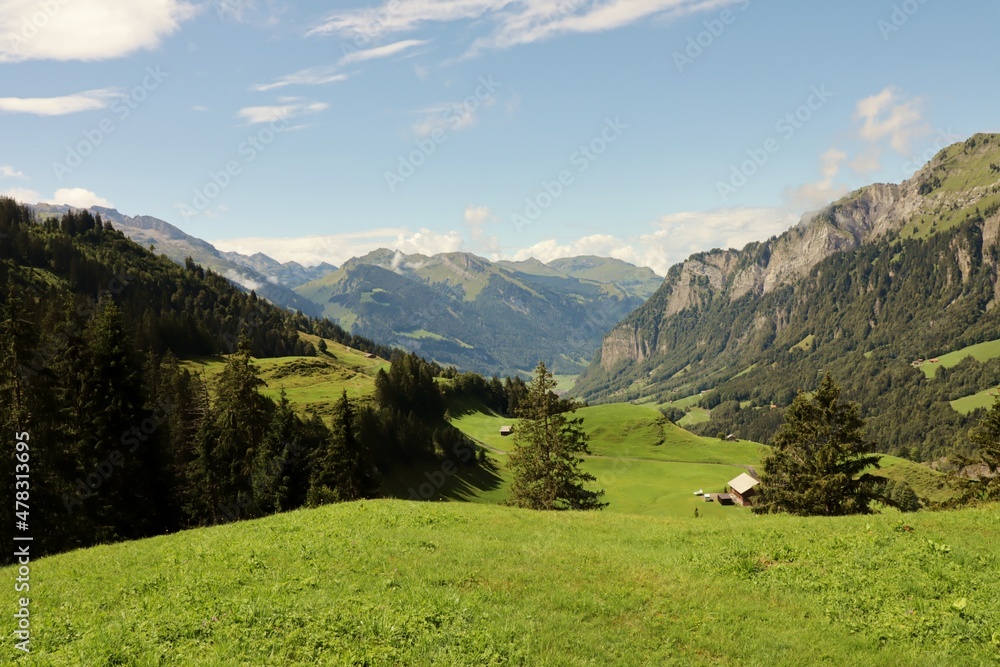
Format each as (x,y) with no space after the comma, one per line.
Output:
(957,178)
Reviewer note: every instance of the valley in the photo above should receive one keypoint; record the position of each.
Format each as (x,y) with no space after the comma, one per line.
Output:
(493,333)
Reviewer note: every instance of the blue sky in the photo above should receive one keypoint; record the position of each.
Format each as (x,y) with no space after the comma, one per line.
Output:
(640,129)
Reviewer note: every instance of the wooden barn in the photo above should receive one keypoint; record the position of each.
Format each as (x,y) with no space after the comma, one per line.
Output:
(742,489)
(506,430)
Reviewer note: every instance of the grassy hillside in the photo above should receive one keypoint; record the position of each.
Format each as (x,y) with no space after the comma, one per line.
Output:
(926,482)
(309,382)
(399,583)
(645,464)
(969,404)
(979,352)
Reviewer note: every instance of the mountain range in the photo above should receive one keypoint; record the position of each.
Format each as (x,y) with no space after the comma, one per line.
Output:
(251,273)
(457,308)
(489,317)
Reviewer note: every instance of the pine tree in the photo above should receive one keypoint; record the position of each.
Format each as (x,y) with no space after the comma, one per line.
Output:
(117,442)
(340,470)
(241,418)
(545,459)
(818,459)
(986,438)
(273,465)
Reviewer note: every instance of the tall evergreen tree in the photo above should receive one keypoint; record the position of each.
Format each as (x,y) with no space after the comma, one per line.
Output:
(341,471)
(986,438)
(545,459)
(117,447)
(818,459)
(241,416)
(272,474)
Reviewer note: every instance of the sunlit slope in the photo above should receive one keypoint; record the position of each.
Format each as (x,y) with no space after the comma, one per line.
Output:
(401,583)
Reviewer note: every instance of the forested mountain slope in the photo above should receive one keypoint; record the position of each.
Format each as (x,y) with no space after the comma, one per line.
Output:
(887,275)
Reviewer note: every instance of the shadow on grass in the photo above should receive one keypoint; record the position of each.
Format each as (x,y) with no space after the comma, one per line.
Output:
(441,481)
(460,407)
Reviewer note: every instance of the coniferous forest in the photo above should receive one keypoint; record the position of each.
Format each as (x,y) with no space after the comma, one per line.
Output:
(126,443)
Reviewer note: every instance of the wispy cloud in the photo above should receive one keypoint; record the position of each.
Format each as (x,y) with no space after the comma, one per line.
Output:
(812,196)
(513,22)
(386,51)
(888,120)
(6,171)
(316,76)
(673,237)
(88,100)
(313,76)
(449,117)
(279,112)
(86,29)
(889,115)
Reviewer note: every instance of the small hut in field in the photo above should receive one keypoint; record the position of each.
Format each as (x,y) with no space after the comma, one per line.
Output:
(742,489)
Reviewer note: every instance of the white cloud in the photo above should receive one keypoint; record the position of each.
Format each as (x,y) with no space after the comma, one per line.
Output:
(887,115)
(317,76)
(79,198)
(513,22)
(313,76)
(477,216)
(251,12)
(86,29)
(868,160)
(88,100)
(670,240)
(23,195)
(812,196)
(476,219)
(75,197)
(380,51)
(245,281)
(199,108)
(674,237)
(235,10)
(454,117)
(6,171)
(338,248)
(285,112)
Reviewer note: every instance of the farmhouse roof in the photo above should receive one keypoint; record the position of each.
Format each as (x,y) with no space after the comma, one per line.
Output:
(743,483)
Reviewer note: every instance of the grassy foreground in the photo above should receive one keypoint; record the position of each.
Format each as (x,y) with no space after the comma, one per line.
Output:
(399,583)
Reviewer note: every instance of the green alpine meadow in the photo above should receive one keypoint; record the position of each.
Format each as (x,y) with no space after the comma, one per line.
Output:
(499,333)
